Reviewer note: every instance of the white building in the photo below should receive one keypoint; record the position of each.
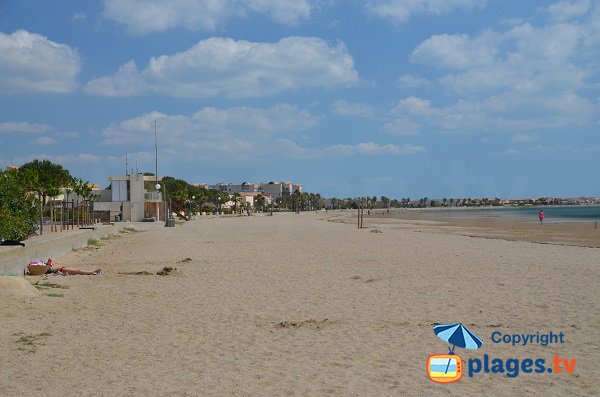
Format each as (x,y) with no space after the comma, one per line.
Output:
(279,189)
(273,189)
(126,199)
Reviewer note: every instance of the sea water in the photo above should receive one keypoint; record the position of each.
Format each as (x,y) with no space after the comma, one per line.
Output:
(554,213)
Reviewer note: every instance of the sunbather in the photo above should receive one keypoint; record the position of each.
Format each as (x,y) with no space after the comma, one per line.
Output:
(70,270)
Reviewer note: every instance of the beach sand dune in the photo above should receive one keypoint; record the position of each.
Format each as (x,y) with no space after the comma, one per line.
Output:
(297,305)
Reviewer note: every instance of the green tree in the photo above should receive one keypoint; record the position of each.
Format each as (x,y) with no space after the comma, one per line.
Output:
(259,201)
(176,194)
(46,179)
(237,199)
(202,195)
(296,200)
(18,208)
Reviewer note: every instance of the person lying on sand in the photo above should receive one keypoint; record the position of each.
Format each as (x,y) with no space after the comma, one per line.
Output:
(70,270)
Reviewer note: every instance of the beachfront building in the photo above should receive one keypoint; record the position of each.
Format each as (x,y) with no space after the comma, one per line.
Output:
(250,198)
(279,189)
(275,190)
(231,188)
(127,199)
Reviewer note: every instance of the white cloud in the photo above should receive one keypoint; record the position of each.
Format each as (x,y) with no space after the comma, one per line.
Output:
(33,63)
(401,10)
(401,126)
(564,10)
(524,138)
(411,81)
(241,132)
(43,140)
(223,66)
(288,12)
(67,134)
(522,79)
(495,114)
(147,16)
(212,131)
(457,51)
(374,149)
(344,108)
(344,150)
(62,159)
(412,105)
(23,126)
(126,81)
(525,59)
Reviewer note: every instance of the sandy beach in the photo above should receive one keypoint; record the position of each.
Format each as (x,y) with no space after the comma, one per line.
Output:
(300,305)
(477,224)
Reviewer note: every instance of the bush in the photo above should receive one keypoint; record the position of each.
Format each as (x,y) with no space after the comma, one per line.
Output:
(18,209)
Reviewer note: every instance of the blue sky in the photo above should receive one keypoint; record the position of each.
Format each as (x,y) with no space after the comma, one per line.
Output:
(404,98)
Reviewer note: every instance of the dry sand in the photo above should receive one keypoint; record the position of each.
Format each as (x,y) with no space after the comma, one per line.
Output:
(298,305)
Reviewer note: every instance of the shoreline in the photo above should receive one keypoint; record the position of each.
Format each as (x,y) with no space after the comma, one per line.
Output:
(557,231)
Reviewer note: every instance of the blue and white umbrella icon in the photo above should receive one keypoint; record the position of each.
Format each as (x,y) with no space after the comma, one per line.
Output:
(457,335)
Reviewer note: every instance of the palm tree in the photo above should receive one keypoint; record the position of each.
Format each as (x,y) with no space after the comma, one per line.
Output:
(236,199)
(259,202)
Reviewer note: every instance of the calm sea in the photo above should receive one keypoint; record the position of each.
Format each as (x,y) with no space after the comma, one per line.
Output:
(568,213)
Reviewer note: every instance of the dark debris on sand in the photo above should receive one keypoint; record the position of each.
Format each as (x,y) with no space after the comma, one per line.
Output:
(166,271)
(312,323)
(142,273)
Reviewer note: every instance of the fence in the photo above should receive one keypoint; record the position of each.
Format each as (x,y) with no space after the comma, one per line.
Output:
(58,216)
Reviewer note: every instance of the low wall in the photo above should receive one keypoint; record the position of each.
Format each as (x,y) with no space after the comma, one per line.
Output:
(14,259)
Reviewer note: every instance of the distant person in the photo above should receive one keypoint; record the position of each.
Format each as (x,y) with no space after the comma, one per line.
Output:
(541,216)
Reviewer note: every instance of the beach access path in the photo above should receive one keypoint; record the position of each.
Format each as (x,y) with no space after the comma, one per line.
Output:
(298,305)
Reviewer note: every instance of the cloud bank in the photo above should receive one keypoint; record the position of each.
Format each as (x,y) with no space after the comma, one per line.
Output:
(146,16)
(33,63)
(235,69)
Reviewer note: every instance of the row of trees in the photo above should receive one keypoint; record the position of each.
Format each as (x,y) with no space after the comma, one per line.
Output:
(185,199)
(385,202)
(25,191)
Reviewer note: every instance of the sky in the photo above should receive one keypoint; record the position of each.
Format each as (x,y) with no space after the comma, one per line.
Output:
(402,98)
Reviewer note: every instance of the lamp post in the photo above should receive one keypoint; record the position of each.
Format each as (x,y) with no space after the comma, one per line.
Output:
(157,186)
(193,198)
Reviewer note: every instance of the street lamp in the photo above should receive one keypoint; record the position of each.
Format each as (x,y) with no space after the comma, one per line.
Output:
(157,187)
(193,198)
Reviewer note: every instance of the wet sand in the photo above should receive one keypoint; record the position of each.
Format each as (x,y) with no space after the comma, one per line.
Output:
(304,305)
(553,231)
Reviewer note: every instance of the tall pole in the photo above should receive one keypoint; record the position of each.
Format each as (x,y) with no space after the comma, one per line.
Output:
(155,153)
(358,216)
(156,172)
